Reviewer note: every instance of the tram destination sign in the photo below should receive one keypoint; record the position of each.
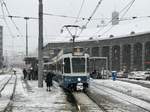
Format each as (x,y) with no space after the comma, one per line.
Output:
(78,51)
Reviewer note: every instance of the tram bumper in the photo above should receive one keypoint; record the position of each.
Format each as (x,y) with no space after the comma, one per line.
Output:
(79,86)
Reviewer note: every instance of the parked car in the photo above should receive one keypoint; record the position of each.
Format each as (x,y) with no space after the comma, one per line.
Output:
(139,75)
(147,73)
(131,75)
(122,74)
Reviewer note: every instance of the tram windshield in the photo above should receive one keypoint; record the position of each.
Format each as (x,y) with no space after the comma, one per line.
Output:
(78,65)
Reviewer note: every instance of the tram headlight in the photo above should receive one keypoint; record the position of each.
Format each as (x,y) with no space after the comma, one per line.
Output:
(79,79)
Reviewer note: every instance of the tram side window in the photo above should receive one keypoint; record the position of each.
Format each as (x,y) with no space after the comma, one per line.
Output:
(88,65)
(59,65)
(67,65)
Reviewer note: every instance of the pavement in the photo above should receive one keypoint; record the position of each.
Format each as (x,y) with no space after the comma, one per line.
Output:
(29,98)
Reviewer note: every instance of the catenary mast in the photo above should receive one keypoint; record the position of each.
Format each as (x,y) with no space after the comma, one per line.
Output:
(40,46)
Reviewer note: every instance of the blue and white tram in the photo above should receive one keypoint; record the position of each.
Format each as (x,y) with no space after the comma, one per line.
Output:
(71,70)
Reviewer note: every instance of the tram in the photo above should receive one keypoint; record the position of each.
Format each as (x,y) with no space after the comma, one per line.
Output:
(71,69)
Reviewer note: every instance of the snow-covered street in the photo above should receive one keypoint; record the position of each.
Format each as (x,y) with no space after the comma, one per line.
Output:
(7,85)
(118,96)
(110,96)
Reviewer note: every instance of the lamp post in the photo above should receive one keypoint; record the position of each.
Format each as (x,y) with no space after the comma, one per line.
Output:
(40,46)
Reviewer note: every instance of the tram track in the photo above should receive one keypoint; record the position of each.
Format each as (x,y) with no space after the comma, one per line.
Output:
(125,97)
(9,105)
(81,102)
(134,82)
(86,104)
(2,79)
(129,94)
(4,84)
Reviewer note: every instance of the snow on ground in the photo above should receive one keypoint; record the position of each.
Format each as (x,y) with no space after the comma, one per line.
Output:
(110,95)
(128,88)
(2,77)
(7,91)
(30,98)
(140,81)
(111,101)
(3,80)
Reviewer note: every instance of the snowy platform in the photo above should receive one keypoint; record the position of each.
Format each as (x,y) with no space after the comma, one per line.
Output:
(29,98)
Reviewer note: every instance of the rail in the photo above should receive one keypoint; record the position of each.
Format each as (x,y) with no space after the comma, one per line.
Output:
(1,89)
(9,106)
(116,94)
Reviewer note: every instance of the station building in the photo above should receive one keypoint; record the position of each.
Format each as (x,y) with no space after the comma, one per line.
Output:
(126,45)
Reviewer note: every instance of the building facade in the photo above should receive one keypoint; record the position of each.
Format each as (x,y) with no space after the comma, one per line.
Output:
(130,52)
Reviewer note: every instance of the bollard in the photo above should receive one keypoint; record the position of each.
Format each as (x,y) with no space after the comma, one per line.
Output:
(114,75)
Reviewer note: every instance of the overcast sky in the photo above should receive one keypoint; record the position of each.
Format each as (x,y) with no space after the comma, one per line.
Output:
(52,24)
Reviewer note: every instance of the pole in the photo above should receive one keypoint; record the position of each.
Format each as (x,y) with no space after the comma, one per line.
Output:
(40,46)
(73,44)
(26,18)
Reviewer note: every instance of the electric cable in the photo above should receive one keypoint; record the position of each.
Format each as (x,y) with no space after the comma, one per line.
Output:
(94,19)
(79,11)
(13,16)
(17,28)
(5,21)
(89,19)
(128,6)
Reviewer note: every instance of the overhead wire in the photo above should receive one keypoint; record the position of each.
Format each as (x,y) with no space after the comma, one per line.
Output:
(128,6)
(89,19)
(14,16)
(94,19)
(17,28)
(5,21)
(116,16)
(64,16)
(79,11)
(71,17)
(82,18)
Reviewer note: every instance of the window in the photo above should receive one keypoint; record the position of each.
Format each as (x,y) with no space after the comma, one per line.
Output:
(67,65)
(59,65)
(78,65)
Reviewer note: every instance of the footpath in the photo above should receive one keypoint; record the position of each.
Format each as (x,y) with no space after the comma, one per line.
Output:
(29,98)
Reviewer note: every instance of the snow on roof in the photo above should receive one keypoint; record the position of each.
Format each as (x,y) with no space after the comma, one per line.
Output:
(123,29)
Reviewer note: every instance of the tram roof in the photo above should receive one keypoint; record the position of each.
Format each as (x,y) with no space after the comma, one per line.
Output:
(123,29)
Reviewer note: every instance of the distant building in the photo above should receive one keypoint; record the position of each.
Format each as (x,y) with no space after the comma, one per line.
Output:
(1,46)
(115,18)
(126,45)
